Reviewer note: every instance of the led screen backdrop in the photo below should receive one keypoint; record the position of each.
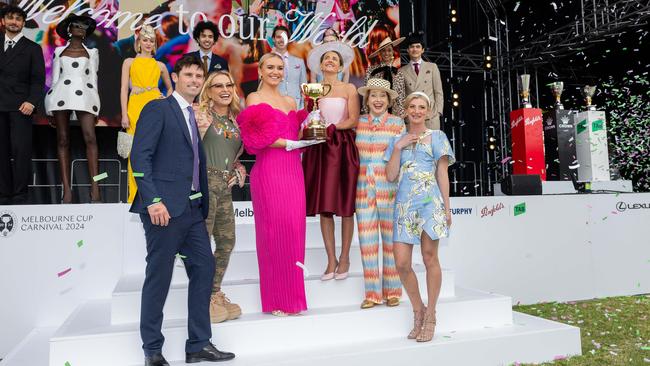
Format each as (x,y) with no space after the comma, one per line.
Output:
(245,28)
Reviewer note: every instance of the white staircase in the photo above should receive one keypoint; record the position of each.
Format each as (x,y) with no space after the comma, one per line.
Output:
(474,327)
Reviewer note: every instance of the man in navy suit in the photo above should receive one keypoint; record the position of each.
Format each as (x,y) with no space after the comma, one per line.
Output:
(206,35)
(172,199)
(22,84)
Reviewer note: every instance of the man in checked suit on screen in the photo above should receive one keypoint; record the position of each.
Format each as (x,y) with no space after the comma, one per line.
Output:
(423,76)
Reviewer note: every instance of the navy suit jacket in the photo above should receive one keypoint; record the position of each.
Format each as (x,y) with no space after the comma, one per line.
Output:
(162,151)
(217,63)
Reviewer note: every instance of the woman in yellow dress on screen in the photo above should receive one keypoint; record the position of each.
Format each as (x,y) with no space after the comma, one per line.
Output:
(141,75)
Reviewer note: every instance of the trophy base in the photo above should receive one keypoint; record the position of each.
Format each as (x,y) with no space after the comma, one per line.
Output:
(314,133)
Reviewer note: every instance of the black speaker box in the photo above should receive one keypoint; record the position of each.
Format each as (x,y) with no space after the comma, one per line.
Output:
(521,185)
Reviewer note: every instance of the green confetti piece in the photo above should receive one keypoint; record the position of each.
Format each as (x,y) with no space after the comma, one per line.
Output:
(644,348)
(428,199)
(196,195)
(99,177)
(80,243)
(597,125)
(67,363)
(520,209)
(581,126)
(138,175)
(179,255)
(156,200)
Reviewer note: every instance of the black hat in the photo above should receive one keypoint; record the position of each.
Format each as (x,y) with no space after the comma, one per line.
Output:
(201,26)
(415,37)
(62,27)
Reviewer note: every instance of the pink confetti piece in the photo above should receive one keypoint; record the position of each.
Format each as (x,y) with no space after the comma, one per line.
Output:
(63,273)
(505,160)
(559,357)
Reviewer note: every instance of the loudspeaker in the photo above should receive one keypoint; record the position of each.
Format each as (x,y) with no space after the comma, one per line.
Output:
(521,185)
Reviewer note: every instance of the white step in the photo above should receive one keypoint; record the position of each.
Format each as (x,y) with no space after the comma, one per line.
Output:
(243,264)
(245,235)
(530,340)
(32,350)
(127,294)
(88,331)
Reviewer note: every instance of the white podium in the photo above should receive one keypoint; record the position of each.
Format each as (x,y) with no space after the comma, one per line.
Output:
(591,146)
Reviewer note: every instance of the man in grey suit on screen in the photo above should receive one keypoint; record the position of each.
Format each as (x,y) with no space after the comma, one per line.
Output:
(295,72)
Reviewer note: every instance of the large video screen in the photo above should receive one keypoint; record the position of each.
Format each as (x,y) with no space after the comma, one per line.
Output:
(245,33)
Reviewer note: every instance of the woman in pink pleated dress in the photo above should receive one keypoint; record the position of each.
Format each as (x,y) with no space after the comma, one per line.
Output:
(270,127)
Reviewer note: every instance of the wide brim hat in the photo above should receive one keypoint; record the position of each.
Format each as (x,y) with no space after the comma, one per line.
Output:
(385,43)
(377,84)
(62,27)
(313,59)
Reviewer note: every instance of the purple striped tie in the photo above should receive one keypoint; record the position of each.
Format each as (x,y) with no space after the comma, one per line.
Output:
(195,149)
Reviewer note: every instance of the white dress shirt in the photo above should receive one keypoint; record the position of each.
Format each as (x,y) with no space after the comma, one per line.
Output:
(14,40)
(186,114)
(184,104)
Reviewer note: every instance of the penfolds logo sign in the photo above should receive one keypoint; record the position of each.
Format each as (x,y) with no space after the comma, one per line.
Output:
(487,211)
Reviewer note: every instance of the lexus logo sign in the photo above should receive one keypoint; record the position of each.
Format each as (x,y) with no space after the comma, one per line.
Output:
(624,206)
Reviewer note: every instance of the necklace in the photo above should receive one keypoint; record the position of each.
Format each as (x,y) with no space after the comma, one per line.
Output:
(224,126)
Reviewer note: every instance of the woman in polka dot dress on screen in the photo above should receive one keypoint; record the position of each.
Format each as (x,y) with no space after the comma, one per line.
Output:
(74,95)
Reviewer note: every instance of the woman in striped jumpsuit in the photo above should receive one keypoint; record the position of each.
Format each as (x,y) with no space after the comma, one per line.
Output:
(375,195)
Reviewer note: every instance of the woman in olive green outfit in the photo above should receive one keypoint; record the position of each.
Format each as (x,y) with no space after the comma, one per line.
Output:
(215,114)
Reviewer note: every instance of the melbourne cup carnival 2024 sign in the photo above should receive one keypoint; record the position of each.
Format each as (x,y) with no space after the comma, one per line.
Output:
(245,29)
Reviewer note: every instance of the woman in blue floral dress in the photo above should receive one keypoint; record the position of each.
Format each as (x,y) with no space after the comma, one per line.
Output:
(418,159)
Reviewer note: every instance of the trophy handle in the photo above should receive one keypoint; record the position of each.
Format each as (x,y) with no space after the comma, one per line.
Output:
(303,87)
(329,89)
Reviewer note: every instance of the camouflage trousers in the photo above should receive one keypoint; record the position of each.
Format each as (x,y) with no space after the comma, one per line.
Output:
(221,224)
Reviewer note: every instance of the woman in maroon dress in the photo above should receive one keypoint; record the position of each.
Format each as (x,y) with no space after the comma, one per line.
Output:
(331,168)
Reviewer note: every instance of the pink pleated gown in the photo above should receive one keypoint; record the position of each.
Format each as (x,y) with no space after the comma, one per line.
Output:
(278,193)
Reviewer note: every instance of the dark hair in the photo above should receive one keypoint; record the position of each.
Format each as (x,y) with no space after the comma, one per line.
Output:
(187,61)
(200,27)
(338,54)
(281,28)
(13,9)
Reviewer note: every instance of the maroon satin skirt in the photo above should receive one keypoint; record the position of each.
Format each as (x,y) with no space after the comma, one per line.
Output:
(331,170)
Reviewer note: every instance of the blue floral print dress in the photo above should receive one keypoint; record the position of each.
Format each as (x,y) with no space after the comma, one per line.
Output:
(419,205)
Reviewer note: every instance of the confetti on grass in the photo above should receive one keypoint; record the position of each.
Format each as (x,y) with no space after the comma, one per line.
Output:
(99,177)
(64,272)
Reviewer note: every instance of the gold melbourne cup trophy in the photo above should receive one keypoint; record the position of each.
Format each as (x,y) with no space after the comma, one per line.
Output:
(557,88)
(523,84)
(316,129)
(588,92)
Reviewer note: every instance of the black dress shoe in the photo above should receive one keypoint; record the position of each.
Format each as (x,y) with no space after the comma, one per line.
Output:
(156,360)
(208,353)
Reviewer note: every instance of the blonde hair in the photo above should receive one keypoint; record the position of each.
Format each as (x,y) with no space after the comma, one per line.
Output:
(205,103)
(417,95)
(263,59)
(146,31)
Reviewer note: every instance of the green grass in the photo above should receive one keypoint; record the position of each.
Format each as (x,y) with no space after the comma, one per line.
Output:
(614,331)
